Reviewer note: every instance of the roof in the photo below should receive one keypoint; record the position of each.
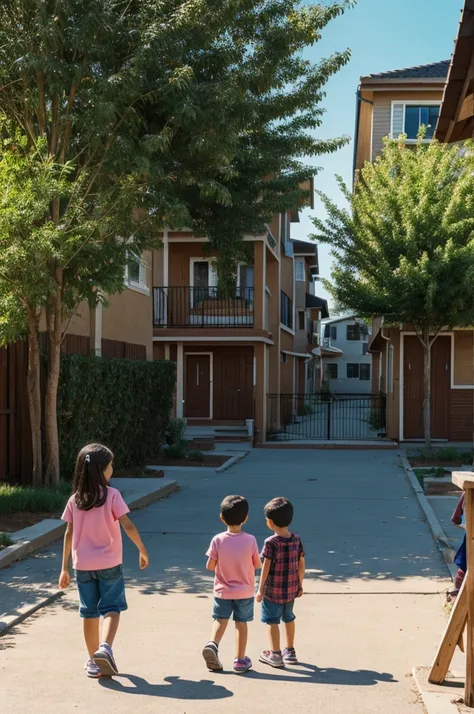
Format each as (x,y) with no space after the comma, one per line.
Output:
(435,70)
(346,318)
(453,124)
(304,247)
(315,301)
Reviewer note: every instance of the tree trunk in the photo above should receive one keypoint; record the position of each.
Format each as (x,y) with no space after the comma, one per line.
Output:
(427,390)
(34,396)
(54,365)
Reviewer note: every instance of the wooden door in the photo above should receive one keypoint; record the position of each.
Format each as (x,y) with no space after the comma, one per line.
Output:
(197,388)
(233,385)
(413,388)
(440,387)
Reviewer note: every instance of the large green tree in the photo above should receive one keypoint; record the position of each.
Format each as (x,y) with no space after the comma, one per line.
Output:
(166,112)
(404,246)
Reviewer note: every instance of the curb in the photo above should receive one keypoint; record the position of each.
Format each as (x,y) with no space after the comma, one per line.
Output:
(21,614)
(234,460)
(437,531)
(52,529)
(436,699)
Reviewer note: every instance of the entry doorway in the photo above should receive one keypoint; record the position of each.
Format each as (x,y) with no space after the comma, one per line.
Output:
(198,385)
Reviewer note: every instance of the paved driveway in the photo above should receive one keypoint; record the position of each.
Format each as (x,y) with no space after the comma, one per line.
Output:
(372,606)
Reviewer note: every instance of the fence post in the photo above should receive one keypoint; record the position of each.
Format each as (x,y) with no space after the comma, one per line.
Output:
(329,416)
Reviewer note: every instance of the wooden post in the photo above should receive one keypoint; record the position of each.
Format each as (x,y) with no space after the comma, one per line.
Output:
(463,611)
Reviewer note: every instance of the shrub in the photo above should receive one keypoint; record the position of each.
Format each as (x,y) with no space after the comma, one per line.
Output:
(124,404)
(176,430)
(176,451)
(195,456)
(5,540)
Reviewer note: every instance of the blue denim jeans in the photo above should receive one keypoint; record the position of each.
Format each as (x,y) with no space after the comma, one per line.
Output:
(242,609)
(274,612)
(101,591)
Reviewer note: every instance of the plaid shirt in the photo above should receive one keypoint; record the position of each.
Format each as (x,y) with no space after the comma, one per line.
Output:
(283,582)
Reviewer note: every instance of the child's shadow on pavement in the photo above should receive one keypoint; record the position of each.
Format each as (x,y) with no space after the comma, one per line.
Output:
(176,688)
(302,673)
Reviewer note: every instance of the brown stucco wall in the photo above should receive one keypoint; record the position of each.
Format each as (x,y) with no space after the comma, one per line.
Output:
(463,357)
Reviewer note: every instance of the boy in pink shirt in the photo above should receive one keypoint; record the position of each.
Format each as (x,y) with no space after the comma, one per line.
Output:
(233,557)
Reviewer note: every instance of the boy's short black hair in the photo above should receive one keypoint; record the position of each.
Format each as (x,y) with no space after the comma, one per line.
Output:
(280,511)
(234,510)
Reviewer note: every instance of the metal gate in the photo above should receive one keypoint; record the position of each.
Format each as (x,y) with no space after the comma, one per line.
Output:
(327,417)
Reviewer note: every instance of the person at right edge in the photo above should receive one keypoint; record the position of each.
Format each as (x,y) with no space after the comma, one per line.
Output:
(281,582)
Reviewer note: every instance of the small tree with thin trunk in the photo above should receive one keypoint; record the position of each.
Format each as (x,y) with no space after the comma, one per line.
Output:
(404,246)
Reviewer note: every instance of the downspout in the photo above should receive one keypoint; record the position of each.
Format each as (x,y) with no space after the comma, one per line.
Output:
(359,100)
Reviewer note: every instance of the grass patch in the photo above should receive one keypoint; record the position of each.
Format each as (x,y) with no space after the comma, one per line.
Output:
(435,472)
(17,499)
(5,540)
(445,455)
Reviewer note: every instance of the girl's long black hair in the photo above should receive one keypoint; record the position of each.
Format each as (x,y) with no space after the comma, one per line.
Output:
(89,485)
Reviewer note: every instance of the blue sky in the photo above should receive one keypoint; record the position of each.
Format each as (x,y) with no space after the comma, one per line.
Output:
(382,35)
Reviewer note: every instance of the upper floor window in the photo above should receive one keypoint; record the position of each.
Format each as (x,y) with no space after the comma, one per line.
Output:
(286,310)
(407,117)
(300,272)
(135,272)
(332,371)
(353,333)
(330,331)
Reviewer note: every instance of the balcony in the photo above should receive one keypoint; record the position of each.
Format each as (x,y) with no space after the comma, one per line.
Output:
(186,306)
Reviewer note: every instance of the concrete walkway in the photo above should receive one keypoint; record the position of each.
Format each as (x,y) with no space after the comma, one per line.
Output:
(372,607)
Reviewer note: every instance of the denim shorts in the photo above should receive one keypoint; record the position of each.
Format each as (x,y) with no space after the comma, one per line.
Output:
(242,609)
(101,591)
(274,612)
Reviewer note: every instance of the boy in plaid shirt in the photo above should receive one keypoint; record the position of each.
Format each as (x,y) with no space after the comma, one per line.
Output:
(281,581)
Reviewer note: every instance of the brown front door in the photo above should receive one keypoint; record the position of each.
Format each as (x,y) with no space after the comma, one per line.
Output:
(197,388)
(233,385)
(413,388)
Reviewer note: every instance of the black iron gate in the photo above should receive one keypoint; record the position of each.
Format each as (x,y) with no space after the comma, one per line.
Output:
(326,417)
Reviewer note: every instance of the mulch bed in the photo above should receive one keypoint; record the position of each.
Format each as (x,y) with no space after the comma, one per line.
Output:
(12,522)
(441,464)
(210,461)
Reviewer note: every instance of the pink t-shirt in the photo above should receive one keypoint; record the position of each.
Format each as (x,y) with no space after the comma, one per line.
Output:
(237,557)
(96,536)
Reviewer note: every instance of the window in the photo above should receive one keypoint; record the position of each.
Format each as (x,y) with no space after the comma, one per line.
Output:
(330,331)
(389,382)
(300,272)
(352,371)
(353,333)
(365,372)
(365,348)
(245,282)
(283,357)
(301,320)
(135,273)
(286,310)
(332,371)
(407,119)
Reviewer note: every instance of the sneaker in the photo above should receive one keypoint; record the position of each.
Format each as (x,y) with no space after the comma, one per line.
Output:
(271,658)
(242,665)
(211,657)
(289,656)
(104,659)
(92,669)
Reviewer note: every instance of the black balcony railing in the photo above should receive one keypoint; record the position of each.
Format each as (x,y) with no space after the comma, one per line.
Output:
(184,306)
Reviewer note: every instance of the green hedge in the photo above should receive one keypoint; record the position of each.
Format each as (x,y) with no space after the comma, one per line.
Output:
(124,404)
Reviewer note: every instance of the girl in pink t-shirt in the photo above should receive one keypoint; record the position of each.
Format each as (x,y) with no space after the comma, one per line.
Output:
(93,515)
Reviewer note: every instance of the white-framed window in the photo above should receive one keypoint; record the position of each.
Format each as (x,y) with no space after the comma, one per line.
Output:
(300,272)
(365,372)
(332,371)
(135,273)
(408,116)
(352,371)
